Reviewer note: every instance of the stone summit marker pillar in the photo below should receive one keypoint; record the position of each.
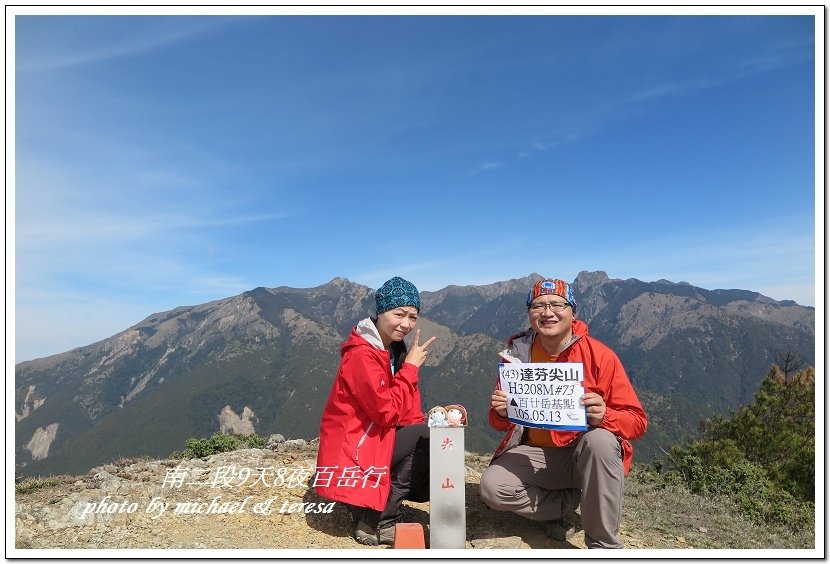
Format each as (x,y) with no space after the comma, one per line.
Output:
(447,500)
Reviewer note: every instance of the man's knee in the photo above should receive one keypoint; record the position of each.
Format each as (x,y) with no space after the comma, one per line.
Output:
(493,489)
(600,444)
(487,488)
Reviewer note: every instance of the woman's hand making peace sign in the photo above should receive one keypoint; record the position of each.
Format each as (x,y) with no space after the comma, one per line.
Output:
(417,354)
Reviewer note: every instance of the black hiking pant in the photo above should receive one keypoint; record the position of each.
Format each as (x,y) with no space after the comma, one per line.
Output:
(409,471)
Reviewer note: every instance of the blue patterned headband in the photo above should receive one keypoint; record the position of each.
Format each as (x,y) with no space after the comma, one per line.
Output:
(396,292)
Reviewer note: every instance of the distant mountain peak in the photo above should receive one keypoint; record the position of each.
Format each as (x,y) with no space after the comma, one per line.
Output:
(339,282)
(585,278)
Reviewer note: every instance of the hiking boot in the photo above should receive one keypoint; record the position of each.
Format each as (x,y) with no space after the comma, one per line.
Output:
(365,533)
(564,528)
(355,512)
(366,524)
(386,534)
(570,523)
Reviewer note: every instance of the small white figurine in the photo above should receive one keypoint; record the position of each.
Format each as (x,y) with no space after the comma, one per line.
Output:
(437,417)
(456,415)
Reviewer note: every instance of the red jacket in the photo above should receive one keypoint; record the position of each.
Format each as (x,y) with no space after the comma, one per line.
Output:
(357,431)
(604,375)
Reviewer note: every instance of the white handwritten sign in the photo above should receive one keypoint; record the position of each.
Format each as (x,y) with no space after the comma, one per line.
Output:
(544,394)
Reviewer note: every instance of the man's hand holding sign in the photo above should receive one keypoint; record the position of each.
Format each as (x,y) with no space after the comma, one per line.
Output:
(594,408)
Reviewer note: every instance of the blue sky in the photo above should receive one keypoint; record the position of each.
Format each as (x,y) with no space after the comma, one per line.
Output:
(163,161)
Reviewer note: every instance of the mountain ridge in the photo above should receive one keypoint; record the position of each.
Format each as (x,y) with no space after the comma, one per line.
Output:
(266,357)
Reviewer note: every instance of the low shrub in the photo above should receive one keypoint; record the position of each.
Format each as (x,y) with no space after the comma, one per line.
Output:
(219,442)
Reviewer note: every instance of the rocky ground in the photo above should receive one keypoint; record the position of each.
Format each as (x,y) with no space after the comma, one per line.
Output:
(223,503)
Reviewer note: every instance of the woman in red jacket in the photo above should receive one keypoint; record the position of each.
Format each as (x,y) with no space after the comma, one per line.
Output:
(374,444)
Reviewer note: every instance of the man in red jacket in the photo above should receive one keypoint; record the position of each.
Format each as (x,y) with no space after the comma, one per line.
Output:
(544,475)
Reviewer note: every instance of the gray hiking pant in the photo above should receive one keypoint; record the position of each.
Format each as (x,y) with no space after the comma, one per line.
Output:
(529,481)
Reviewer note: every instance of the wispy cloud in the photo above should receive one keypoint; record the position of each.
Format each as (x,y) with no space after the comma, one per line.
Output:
(721,72)
(141,35)
(778,54)
(102,228)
